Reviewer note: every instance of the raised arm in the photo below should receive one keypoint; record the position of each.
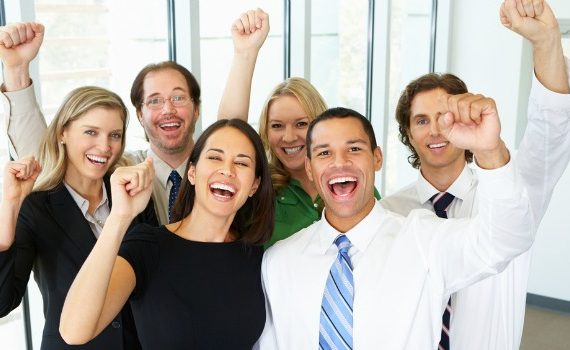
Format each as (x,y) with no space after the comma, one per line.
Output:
(535,21)
(248,32)
(543,152)
(105,281)
(19,45)
(16,258)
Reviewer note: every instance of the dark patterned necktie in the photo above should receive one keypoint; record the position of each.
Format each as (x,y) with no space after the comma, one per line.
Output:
(441,202)
(175,178)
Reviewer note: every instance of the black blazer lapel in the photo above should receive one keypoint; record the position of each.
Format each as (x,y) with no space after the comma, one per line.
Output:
(69,217)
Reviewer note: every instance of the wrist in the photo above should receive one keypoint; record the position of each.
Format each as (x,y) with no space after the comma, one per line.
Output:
(493,158)
(16,77)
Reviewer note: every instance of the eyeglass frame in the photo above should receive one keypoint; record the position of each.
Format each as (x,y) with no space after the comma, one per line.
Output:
(172,102)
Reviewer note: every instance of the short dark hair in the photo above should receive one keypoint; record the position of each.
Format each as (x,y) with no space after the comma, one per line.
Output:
(255,220)
(341,113)
(448,82)
(137,89)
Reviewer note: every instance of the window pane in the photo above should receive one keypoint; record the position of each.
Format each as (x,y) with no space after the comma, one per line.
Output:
(339,31)
(95,42)
(216,52)
(409,58)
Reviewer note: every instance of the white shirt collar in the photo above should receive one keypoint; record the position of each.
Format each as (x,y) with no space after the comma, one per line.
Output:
(83,203)
(360,235)
(459,188)
(162,170)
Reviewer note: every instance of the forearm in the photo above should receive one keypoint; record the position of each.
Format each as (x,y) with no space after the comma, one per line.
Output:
(550,66)
(8,217)
(236,96)
(16,78)
(25,122)
(84,309)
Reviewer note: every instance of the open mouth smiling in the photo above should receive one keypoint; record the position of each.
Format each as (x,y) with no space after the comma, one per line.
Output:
(222,190)
(342,186)
(97,159)
(292,150)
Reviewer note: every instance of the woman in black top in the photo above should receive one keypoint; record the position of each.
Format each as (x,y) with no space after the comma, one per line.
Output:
(195,283)
(53,229)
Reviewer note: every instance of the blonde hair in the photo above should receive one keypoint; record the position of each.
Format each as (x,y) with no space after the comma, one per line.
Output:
(312,103)
(52,155)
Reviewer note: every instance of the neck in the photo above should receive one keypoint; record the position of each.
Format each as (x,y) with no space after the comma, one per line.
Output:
(202,226)
(174,160)
(344,224)
(92,190)
(306,184)
(442,178)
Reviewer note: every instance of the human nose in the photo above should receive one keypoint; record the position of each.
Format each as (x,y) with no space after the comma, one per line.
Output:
(290,135)
(340,160)
(104,144)
(227,170)
(434,126)
(168,106)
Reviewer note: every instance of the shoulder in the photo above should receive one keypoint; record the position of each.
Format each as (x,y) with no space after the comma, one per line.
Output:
(292,244)
(403,201)
(143,233)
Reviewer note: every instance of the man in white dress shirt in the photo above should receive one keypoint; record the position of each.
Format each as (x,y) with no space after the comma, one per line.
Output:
(403,270)
(166,97)
(490,313)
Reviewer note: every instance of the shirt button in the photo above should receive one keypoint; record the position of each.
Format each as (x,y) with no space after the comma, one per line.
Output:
(315,205)
(282,198)
(116,324)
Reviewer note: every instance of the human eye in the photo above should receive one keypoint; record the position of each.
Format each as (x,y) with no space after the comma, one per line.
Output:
(421,121)
(323,153)
(155,102)
(276,125)
(213,157)
(116,135)
(241,163)
(354,149)
(90,132)
(179,100)
(302,124)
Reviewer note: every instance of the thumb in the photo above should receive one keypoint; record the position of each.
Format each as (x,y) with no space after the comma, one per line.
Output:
(445,122)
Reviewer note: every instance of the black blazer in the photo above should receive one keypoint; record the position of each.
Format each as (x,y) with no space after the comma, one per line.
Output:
(53,238)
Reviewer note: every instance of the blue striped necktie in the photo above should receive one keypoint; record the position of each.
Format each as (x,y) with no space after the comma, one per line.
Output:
(175,178)
(441,201)
(335,331)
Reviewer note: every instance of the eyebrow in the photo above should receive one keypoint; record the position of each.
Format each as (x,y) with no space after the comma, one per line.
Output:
(349,142)
(279,120)
(240,155)
(98,128)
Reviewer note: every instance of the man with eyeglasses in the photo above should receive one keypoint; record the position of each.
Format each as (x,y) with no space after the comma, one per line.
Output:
(166,97)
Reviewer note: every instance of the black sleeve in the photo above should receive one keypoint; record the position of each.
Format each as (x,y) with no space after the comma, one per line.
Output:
(147,216)
(16,263)
(140,249)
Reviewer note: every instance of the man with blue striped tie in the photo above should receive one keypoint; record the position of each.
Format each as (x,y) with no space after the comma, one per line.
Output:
(366,278)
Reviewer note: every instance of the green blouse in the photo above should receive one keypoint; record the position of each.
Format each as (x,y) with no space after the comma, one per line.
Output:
(295,210)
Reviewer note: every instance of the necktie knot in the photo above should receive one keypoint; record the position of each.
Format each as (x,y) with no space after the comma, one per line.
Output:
(175,178)
(343,244)
(441,202)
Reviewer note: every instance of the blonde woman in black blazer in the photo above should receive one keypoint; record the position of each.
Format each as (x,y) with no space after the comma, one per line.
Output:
(53,229)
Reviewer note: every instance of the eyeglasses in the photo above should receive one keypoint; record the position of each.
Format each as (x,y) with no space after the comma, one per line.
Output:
(176,100)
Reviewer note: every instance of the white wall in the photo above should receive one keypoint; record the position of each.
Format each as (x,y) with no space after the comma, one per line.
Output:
(489,59)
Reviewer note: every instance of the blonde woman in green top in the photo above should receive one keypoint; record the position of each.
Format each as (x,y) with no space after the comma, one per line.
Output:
(283,124)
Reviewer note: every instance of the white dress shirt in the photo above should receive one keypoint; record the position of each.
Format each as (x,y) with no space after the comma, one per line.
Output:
(402,281)
(490,313)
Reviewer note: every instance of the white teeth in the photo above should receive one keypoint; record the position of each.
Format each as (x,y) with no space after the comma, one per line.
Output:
(97,159)
(169,125)
(438,145)
(291,150)
(342,179)
(221,186)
